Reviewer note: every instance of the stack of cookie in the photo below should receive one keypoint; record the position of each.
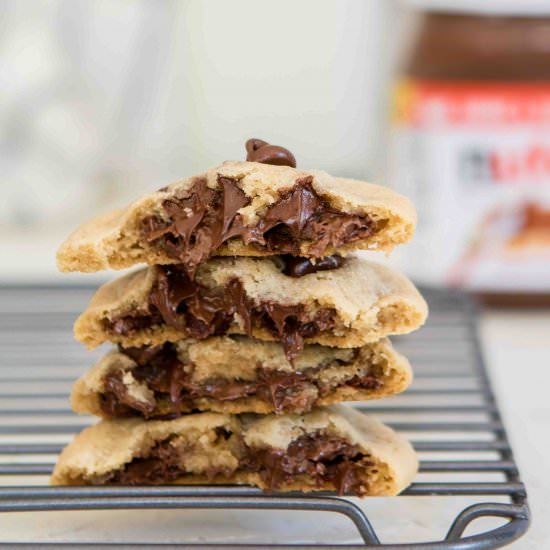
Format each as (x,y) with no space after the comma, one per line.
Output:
(251,323)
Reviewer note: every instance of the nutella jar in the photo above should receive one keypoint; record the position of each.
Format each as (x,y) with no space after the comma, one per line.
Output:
(470,146)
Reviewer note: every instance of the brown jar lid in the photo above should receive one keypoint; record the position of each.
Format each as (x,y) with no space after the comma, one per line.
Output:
(453,46)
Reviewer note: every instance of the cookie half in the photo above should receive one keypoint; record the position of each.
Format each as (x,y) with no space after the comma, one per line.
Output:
(236,375)
(332,448)
(358,303)
(243,209)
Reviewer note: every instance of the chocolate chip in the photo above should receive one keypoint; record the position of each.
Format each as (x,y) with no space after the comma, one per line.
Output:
(260,151)
(294,266)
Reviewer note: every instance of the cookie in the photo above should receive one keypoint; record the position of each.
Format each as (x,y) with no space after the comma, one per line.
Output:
(243,209)
(331,448)
(236,375)
(358,303)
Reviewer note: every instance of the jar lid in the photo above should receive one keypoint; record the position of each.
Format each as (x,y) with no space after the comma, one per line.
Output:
(485,7)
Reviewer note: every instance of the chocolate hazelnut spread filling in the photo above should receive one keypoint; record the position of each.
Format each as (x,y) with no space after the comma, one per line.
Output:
(324,458)
(200,312)
(199,221)
(175,389)
(327,460)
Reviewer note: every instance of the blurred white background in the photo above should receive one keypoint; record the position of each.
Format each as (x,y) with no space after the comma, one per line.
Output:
(101,100)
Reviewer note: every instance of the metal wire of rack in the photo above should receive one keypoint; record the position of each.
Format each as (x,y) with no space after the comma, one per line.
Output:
(39,361)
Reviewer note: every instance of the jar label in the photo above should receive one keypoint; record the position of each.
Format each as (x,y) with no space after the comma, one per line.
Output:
(475,159)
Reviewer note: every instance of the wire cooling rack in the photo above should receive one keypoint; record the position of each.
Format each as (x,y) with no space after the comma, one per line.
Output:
(467,467)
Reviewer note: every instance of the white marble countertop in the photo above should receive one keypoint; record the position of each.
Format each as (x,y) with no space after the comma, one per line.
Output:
(517,351)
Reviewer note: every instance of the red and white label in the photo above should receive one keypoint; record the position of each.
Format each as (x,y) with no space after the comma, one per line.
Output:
(475,159)
(463,103)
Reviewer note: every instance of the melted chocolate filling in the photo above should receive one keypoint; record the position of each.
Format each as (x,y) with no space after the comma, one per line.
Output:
(200,312)
(323,458)
(199,221)
(161,466)
(160,369)
(327,460)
